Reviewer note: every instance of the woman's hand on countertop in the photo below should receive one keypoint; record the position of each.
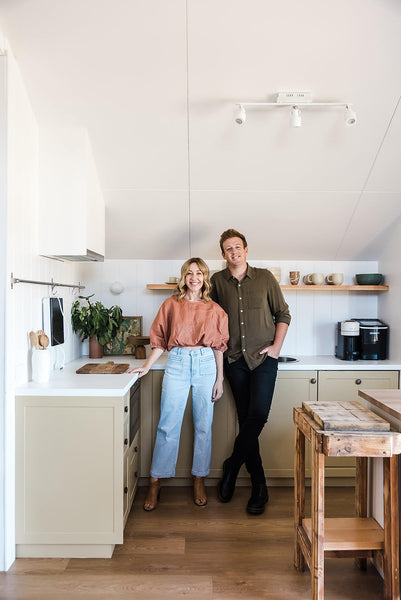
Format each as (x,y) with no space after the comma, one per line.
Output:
(140,370)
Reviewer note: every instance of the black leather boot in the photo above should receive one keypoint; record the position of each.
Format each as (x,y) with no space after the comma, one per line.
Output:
(226,485)
(258,499)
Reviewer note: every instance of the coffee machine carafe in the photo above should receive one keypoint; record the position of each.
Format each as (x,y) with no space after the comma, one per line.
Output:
(347,342)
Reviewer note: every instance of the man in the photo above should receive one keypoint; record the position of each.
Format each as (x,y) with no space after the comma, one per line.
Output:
(258,319)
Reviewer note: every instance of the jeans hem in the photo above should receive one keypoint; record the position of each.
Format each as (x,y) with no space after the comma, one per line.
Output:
(162,476)
(200,474)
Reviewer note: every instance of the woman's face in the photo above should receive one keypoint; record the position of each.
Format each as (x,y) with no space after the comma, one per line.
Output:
(194,278)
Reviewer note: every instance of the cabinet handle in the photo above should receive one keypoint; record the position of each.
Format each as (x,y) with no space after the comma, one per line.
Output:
(358,381)
(125,408)
(136,449)
(125,490)
(313,380)
(136,474)
(125,441)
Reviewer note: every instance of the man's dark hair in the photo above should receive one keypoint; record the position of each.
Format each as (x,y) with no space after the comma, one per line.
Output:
(230,233)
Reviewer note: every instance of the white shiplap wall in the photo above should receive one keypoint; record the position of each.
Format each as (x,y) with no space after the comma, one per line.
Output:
(314,314)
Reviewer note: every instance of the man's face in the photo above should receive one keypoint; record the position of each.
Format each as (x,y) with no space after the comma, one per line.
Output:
(234,252)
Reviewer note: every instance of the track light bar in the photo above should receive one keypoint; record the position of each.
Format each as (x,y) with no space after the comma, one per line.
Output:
(295,100)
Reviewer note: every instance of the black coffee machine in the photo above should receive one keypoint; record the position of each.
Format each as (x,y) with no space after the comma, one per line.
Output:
(364,339)
(347,340)
(374,337)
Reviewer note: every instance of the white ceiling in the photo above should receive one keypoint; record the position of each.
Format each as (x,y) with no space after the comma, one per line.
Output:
(155,83)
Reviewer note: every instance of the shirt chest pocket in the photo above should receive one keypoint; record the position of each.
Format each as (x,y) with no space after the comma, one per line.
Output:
(255,299)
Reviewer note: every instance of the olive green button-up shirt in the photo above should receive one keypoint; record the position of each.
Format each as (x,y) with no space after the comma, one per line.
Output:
(254,306)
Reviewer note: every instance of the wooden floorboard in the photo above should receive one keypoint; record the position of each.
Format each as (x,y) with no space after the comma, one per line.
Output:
(214,553)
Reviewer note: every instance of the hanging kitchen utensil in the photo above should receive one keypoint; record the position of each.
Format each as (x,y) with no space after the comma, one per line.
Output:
(44,340)
(34,340)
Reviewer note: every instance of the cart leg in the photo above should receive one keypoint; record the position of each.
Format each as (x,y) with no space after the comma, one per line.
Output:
(391,529)
(299,494)
(361,498)
(317,562)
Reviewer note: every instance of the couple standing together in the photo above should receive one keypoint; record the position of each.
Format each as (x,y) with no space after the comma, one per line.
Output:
(240,313)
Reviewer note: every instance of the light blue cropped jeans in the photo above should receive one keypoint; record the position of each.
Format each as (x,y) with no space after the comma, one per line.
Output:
(195,369)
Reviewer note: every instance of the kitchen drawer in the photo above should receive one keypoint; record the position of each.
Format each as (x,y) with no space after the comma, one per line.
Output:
(133,473)
(126,435)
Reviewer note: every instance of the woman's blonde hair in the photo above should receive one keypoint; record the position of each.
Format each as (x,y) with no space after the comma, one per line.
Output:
(182,288)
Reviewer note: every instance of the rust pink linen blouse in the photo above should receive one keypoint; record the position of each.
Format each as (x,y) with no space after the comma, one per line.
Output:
(188,323)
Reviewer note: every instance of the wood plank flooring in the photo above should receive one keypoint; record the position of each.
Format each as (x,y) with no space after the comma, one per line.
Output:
(181,551)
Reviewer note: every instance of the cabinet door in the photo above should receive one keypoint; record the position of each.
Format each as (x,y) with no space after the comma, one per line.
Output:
(69,470)
(277,438)
(344,385)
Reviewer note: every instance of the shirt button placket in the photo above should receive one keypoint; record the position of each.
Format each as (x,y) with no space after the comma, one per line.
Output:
(241,311)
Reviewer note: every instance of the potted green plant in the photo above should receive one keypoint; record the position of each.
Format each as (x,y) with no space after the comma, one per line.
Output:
(94,321)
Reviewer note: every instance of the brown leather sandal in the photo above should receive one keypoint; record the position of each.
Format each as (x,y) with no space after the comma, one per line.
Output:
(152,496)
(200,497)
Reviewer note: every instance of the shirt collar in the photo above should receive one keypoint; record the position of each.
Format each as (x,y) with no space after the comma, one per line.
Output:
(250,272)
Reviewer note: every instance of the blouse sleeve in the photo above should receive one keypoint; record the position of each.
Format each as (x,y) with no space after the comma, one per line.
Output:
(159,331)
(222,334)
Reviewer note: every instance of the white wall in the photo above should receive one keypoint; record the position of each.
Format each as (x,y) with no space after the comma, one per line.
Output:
(389,304)
(23,303)
(314,314)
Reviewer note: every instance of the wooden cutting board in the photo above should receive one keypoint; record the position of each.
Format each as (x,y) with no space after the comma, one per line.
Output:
(344,416)
(107,368)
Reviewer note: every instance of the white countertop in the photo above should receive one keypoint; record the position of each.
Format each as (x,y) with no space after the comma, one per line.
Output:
(68,383)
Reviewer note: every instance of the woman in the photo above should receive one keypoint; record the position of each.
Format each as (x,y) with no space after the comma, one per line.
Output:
(194,330)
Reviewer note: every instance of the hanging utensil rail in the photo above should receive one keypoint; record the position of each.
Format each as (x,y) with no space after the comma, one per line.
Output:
(52,283)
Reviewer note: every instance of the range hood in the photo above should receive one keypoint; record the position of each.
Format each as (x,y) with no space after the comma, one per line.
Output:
(90,256)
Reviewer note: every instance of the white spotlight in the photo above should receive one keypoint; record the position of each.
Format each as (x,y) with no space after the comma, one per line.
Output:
(295,118)
(350,117)
(240,116)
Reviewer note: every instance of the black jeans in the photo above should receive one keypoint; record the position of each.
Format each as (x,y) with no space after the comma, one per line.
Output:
(253,393)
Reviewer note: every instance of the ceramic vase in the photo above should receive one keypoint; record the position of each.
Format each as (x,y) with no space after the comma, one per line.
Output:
(95,349)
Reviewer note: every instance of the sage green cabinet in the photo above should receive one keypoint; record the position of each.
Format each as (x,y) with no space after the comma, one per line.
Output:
(276,441)
(277,438)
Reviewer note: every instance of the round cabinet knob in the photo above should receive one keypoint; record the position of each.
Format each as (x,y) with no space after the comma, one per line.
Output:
(136,449)
(125,490)
(136,474)
(125,408)
(313,380)
(125,441)
(358,381)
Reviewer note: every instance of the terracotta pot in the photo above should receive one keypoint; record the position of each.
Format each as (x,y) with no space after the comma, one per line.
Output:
(95,349)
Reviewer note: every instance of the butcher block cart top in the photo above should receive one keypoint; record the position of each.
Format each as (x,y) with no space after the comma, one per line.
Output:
(346,429)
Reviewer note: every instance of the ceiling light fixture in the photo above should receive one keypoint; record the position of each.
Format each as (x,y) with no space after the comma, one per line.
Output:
(295,117)
(240,115)
(295,100)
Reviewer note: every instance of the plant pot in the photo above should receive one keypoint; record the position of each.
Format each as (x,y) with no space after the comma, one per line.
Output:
(95,349)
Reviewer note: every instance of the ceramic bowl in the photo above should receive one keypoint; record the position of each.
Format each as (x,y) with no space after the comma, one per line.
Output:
(369,278)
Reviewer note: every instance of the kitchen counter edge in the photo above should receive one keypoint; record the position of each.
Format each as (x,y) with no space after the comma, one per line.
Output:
(68,383)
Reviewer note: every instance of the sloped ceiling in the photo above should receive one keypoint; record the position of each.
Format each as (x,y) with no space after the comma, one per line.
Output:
(155,82)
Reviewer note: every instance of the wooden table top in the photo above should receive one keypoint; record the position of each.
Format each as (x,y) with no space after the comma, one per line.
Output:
(388,400)
(345,416)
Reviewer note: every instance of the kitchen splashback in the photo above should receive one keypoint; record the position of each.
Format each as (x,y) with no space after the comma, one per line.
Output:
(314,313)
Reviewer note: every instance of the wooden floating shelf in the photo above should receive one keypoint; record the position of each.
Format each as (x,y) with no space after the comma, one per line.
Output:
(298,288)
(337,288)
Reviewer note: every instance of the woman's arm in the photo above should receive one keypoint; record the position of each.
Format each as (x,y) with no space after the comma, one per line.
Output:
(153,356)
(218,386)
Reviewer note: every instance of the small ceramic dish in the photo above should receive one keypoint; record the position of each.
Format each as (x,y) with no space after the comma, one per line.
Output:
(369,278)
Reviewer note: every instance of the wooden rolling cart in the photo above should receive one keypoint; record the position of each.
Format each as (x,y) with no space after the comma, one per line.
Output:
(346,429)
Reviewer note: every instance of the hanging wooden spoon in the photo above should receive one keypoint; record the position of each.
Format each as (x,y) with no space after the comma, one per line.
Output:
(44,340)
(34,340)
